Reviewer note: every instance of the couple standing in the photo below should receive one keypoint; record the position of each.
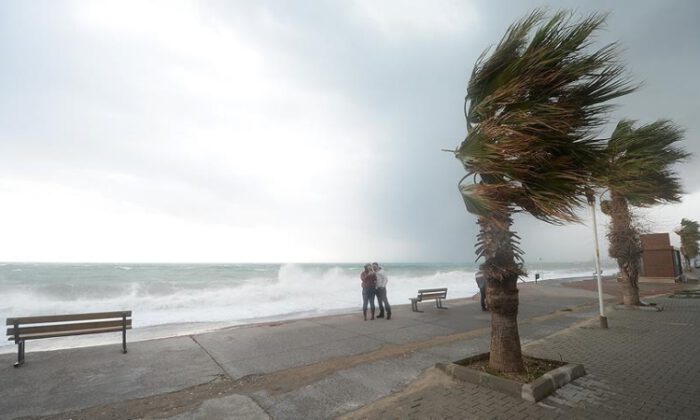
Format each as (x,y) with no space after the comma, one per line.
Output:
(374,283)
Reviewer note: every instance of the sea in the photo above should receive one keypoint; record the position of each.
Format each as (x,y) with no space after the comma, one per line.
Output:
(178,299)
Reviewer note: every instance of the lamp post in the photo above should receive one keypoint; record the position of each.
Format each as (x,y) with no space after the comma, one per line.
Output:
(603,318)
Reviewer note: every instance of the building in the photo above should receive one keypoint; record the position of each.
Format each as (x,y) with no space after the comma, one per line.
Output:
(661,262)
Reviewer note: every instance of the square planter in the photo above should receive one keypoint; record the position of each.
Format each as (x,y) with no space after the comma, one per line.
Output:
(533,391)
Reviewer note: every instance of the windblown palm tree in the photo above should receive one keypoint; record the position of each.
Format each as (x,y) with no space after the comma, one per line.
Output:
(637,172)
(531,106)
(690,238)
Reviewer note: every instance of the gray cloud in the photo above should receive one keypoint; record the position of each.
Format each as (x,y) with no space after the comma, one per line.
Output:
(131,115)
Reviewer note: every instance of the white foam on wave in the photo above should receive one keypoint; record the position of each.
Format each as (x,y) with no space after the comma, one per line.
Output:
(295,292)
(294,289)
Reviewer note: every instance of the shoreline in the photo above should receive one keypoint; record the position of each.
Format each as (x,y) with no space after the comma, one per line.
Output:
(171,330)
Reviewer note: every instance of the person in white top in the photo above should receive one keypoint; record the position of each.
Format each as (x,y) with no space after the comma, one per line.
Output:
(381,291)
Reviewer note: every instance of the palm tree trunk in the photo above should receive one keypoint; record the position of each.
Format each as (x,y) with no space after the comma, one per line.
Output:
(625,248)
(506,355)
(630,284)
(502,272)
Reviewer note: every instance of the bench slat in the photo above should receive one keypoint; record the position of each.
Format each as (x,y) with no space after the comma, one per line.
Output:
(432,295)
(67,333)
(63,318)
(440,289)
(67,327)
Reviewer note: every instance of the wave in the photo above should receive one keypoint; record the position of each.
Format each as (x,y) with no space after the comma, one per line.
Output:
(294,288)
(232,293)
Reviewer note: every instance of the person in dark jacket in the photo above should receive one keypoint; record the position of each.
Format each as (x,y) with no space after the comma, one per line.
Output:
(481,282)
(381,291)
(369,282)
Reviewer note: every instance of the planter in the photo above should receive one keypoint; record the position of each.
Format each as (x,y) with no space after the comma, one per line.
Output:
(533,391)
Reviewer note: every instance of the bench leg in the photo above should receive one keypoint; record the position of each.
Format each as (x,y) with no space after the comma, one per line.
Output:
(124,334)
(438,303)
(20,354)
(414,305)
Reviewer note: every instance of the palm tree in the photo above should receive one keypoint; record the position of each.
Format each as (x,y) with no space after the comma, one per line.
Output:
(637,172)
(690,237)
(531,107)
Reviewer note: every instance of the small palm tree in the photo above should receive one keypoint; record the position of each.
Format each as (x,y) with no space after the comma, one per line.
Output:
(637,172)
(690,238)
(531,107)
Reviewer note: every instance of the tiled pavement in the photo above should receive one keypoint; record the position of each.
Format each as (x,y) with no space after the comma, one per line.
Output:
(646,365)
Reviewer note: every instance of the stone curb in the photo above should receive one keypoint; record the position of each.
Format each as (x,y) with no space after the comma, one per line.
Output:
(533,392)
(650,308)
(686,294)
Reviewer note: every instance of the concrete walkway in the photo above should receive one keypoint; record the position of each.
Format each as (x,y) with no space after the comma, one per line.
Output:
(645,366)
(314,368)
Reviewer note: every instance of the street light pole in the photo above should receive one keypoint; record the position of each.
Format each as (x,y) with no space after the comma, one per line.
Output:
(603,318)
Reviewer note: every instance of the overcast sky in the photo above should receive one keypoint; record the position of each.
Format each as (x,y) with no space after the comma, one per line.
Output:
(280,131)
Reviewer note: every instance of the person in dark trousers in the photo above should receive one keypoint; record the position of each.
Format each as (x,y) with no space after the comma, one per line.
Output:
(481,282)
(381,291)
(369,282)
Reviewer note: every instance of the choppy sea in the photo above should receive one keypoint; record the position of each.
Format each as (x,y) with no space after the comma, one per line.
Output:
(202,296)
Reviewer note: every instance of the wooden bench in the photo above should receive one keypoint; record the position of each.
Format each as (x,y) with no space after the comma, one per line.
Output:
(66,325)
(429,294)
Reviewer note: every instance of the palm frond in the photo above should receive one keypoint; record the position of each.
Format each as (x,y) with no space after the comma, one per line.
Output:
(535,101)
(690,238)
(639,163)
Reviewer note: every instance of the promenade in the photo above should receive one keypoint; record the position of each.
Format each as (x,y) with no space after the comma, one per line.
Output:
(646,364)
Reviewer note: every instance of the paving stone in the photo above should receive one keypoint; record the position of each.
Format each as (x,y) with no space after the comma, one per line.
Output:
(645,366)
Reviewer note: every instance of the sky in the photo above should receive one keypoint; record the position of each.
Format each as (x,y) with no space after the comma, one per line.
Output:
(278,131)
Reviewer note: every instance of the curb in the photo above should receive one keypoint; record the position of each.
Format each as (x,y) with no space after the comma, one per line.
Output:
(650,308)
(533,391)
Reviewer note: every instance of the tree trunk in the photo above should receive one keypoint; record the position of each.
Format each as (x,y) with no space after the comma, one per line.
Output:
(506,355)
(497,246)
(625,247)
(630,284)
